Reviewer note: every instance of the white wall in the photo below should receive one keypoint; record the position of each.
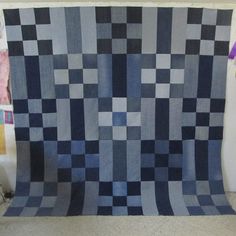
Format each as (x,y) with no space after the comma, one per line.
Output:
(229,141)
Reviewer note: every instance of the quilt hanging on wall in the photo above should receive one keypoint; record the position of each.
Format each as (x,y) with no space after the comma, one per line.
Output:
(118,110)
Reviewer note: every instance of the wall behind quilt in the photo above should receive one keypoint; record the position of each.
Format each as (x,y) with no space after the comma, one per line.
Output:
(229,141)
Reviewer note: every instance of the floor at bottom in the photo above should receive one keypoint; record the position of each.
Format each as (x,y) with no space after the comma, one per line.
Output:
(131,225)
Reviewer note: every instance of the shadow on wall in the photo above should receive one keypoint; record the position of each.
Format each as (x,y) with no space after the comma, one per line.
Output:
(8,172)
(4,181)
(8,156)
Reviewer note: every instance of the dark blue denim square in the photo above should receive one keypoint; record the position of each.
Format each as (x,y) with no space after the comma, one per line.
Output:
(92,147)
(205,200)
(105,104)
(90,61)
(105,188)
(34,202)
(216,187)
(76,76)
(195,210)
(64,161)
(50,133)
(148,61)
(177,61)
(64,175)
(22,189)
(13,211)
(60,61)
(78,174)
(77,147)
(35,120)
(62,91)
(105,211)
(148,146)
(189,105)
(147,174)
(78,161)
(189,187)
(119,118)
(20,106)
(163,76)
(119,201)
(44,211)
(50,189)
(49,105)
(225,210)
(92,161)
(22,134)
(92,174)
(64,147)
(135,211)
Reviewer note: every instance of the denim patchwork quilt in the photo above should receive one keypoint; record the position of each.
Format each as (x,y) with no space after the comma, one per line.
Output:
(118,110)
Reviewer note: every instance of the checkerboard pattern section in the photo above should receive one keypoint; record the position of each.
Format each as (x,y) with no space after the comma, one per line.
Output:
(119,30)
(118,110)
(121,120)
